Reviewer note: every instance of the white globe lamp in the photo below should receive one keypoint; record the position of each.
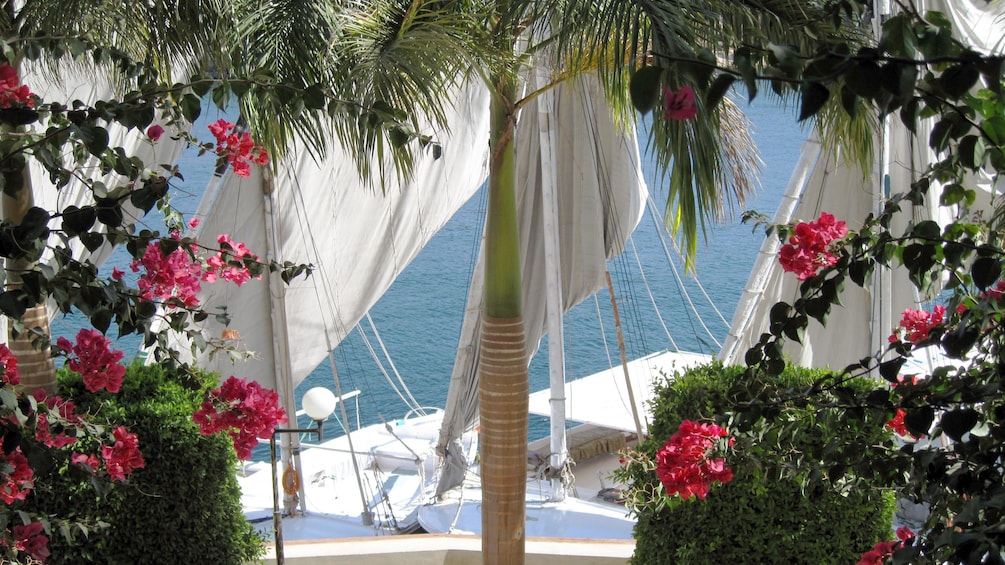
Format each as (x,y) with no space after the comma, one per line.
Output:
(319,403)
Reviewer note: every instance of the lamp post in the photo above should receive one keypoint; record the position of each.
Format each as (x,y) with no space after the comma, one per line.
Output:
(319,403)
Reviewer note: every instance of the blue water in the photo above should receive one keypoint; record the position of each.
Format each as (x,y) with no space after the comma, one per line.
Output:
(419,319)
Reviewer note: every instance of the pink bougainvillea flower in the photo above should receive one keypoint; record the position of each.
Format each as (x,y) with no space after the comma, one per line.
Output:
(175,275)
(244,410)
(123,456)
(88,462)
(237,147)
(193,223)
(8,363)
(155,132)
(679,105)
(94,359)
(682,464)
(810,247)
(12,92)
(19,480)
(31,539)
(44,434)
(117,274)
(228,264)
(915,325)
(879,552)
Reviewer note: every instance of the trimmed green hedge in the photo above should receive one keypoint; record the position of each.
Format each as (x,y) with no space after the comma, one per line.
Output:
(756,518)
(183,506)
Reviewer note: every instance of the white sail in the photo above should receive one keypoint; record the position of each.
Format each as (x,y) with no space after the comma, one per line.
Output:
(827,181)
(357,239)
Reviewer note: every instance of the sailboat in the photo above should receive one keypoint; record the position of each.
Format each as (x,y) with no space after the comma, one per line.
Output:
(347,234)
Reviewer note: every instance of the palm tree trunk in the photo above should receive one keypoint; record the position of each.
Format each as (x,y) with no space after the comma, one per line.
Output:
(34,363)
(503,380)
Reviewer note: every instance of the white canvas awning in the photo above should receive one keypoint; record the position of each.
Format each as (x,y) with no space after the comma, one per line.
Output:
(601,399)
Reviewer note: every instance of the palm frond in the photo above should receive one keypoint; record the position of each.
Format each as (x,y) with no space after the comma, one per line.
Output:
(388,60)
(186,34)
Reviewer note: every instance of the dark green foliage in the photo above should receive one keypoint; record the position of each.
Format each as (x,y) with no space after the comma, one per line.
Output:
(762,516)
(182,507)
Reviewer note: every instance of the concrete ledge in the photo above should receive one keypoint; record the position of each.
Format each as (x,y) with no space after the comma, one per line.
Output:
(429,549)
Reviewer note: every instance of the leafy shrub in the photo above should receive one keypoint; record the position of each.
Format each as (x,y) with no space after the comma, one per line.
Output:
(183,506)
(763,515)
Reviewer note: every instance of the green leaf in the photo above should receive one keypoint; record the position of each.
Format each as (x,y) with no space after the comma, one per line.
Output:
(898,37)
(956,423)
(314,97)
(959,79)
(994,128)
(101,320)
(77,220)
(919,420)
(890,369)
(814,96)
(960,341)
(971,152)
(941,134)
(645,88)
(985,272)
(742,62)
(718,89)
(92,241)
(927,229)
(95,138)
(864,79)
(109,212)
(191,107)
(238,87)
(13,303)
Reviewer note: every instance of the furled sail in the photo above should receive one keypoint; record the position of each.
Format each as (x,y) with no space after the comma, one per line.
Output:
(600,195)
(826,180)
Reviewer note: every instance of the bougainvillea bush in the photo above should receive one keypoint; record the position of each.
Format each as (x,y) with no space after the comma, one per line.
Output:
(739,509)
(183,506)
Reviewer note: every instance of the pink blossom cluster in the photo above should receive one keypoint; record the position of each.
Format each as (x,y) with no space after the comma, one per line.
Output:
(120,458)
(245,410)
(65,410)
(683,464)
(19,480)
(31,539)
(879,552)
(12,92)
(11,375)
(238,148)
(123,456)
(679,105)
(94,359)
(228,262)
(179,274)
(915,325)
(175,275)
(810,246)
